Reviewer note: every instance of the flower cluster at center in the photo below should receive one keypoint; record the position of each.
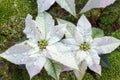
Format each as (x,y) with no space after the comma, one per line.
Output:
(84,46)
(42,44)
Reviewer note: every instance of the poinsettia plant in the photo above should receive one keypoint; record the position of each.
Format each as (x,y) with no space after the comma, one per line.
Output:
(62,47)
(45,47)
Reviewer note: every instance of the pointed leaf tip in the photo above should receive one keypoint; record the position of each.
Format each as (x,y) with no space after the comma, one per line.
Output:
(68,5)
(96,4)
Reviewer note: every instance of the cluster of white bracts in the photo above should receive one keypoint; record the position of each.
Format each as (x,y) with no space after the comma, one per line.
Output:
(46,47)
(69,5)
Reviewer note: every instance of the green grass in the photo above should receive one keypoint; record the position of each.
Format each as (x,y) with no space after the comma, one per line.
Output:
(12,17)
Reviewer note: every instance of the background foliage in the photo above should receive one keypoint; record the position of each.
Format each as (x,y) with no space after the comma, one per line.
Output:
(12,17)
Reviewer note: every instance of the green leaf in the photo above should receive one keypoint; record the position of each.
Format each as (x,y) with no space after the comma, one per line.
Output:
(97,33)
(82,70)
(105,61)
(53,68)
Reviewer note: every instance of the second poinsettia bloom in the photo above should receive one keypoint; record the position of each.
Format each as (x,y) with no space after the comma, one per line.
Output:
(86,48)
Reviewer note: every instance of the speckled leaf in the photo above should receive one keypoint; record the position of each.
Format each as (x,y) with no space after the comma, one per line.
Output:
(31,30)
(68,5)
(96,4)
(18,54)
(85,29)
(45,22)
(35,64)
(106,44)
(53,68)
(96,32)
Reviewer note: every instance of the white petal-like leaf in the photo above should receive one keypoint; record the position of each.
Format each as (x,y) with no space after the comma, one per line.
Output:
(78,36)
(44,23)
(80,56)
(69,29)
(44,5)
(68,5)
(106,44)
(18,54)
(70,41)
(53,68)
(93,61)
(31,29)
(89,61)
(60,53)
(84,27)
(65,68)
(80,74)
(35,64)
(96,4)
(96,68)
(72,44)
(56,33)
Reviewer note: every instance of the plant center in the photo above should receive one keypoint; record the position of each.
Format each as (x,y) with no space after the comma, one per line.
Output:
(42,44)
(84,46)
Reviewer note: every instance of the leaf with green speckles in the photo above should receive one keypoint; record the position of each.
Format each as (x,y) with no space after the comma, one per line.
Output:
(53,68)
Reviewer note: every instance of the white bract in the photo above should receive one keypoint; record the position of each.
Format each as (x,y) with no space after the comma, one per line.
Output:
(43,43)
(84,47)
(68,5)
(96,4)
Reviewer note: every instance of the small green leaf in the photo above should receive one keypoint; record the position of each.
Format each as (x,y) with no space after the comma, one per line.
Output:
(105,61)
(97,33)
(53,68)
